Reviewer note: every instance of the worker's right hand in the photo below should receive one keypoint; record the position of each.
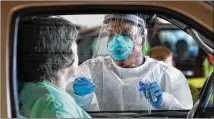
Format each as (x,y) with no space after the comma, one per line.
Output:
(83,86)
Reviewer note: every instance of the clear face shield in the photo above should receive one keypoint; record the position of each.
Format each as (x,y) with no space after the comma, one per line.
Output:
(121,36)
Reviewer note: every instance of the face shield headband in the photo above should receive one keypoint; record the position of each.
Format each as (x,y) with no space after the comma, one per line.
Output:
(133,19)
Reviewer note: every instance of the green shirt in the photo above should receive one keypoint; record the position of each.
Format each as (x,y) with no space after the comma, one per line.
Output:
(44,100)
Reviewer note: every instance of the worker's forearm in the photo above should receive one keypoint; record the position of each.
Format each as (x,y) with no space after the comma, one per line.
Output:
(83,101)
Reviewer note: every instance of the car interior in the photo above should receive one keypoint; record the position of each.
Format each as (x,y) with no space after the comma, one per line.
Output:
(199,38)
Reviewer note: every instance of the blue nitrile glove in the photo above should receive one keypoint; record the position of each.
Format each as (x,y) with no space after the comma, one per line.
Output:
(155,93)
(143,88)
(83,86)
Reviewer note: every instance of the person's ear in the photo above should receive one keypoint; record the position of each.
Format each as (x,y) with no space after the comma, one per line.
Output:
(143,43)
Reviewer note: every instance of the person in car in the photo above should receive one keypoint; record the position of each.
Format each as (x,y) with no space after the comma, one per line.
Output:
(47,62)
(127,80)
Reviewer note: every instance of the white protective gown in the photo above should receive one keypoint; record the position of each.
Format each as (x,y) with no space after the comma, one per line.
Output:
(117,88)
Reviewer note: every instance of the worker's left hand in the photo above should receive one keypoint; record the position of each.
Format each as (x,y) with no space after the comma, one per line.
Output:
(155,91)
(83,86)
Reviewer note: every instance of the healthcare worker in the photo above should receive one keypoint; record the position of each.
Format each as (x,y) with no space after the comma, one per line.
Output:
(127,80)
(47,62)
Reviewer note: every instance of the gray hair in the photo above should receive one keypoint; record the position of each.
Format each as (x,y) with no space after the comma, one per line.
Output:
(44,47)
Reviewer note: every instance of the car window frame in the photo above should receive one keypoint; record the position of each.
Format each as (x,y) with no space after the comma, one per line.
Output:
(74,9)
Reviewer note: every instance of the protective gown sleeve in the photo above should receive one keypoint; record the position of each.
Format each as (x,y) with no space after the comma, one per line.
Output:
(49,107)
(176,91)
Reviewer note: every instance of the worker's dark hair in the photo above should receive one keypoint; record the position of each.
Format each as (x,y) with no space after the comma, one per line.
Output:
(44,47)
(151,24)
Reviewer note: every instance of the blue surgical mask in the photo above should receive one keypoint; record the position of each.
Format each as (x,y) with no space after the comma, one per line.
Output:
(120,47)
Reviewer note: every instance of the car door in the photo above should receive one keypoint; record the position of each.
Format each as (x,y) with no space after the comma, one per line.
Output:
(199,16)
